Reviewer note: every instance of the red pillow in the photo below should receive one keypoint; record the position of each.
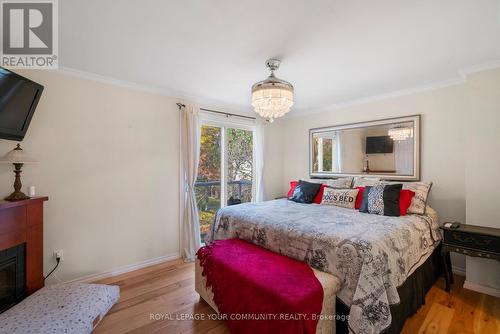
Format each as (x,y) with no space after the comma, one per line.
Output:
(359,198)
(319,196)
(293,185)
(405,197)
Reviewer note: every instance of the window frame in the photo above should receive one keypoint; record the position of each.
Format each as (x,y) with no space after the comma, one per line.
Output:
(224,122)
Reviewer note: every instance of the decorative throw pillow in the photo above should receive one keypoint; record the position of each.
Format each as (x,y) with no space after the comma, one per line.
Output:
(293,185)
(405,200)
(419,201)
(381,200)
(364,200)
(392,192)
(305,192)
(319,195)
(340,183)
(345,198)
(359,198)
(376,200)
(361,181)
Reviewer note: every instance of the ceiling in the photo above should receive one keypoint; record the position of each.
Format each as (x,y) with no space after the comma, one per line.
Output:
(332,51)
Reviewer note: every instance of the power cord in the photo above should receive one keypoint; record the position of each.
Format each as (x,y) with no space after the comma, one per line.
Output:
(58,259)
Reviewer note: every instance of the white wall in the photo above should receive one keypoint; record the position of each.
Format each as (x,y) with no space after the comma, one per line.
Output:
(482,167)
(108,160)
(459,148)
(273,160)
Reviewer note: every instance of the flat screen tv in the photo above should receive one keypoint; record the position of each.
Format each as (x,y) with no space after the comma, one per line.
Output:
(19,97)
(379,144)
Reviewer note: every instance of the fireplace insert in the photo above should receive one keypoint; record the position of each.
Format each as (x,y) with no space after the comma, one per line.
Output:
(12,276)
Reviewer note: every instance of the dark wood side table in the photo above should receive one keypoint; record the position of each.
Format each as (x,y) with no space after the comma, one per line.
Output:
(470,240)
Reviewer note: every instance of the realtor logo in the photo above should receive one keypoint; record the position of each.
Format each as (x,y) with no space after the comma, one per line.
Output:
(29,34)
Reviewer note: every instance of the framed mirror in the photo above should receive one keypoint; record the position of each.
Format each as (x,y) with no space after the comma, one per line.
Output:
(389,149)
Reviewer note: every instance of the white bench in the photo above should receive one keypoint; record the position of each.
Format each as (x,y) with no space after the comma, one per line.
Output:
(330,284)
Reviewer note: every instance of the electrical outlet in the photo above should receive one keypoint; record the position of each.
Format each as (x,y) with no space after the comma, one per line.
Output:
(58,254)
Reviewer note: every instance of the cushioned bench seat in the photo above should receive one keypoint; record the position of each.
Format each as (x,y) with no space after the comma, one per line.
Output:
(329,283)
(61,308)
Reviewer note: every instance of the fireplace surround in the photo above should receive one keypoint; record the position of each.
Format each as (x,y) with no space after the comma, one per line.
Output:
(21,249)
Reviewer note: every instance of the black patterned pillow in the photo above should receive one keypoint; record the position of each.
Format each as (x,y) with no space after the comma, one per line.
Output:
(305,192)
(381,200)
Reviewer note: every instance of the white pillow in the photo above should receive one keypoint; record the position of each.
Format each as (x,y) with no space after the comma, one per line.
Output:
(340,183)
(361,181)
(419,201)
(345,198)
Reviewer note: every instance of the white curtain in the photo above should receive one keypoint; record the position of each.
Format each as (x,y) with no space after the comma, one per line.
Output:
(190,152)
(258,147)
(337,158)
(403,155)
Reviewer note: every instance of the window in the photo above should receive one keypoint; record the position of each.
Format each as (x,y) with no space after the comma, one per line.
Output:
(225,169)
(327,154)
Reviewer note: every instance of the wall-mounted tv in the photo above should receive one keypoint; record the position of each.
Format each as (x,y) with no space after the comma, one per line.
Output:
(379,144)
(19,97)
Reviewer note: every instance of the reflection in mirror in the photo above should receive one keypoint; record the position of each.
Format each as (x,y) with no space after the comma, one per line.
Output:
(382,148)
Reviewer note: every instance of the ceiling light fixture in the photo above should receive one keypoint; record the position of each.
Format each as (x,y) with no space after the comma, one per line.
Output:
(272,98)
(400,133)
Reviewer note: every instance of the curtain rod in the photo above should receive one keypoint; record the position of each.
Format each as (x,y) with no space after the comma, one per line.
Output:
(181,105)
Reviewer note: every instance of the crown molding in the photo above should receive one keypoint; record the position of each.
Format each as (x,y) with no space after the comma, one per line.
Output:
(460,78)
(404,92)
(182,97)
(112,81)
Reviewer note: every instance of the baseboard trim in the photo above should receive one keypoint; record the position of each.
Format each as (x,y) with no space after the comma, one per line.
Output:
(125,269)
(459,271)
(482,288)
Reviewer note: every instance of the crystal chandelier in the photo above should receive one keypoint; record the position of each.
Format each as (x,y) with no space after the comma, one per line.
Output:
(272,98)
(400,133)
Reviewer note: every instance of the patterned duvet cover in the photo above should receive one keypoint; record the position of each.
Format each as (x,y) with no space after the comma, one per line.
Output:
(372,255)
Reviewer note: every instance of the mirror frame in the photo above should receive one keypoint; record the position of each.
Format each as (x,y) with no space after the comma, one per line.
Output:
(416,151)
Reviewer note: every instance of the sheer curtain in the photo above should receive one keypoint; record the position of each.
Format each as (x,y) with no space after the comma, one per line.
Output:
(189,157)
(258,183)
(339,152)
(403,154)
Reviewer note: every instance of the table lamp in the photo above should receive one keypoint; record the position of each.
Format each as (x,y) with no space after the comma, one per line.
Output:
(18,158)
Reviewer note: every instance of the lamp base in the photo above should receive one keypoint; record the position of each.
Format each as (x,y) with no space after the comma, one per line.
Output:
(17,196)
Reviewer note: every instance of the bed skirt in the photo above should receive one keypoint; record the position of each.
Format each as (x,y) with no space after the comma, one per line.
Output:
(412,294)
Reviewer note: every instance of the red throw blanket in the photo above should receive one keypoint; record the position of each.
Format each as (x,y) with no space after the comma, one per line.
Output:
(250,282)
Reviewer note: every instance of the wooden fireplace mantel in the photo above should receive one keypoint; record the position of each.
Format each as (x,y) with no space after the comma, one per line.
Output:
(22,222)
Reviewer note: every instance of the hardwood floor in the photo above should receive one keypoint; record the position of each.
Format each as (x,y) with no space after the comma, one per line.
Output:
(150,295)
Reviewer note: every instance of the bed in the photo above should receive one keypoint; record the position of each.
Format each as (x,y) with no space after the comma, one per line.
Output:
(372,255)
